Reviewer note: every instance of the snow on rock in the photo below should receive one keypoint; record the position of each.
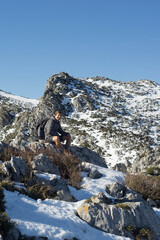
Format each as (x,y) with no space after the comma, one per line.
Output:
(92,187)
(26,102)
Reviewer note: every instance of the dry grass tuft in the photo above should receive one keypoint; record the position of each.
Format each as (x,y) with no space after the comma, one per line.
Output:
(41,191)
(122,205)
(8,185)
(141,233)
(67,163)
(147,185)
(7,154)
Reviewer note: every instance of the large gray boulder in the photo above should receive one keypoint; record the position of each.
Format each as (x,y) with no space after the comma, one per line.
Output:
(119,190)
(81,102)
(42,163)
(16,169)
(58,185)
(95,174)
(119,218)
(86,155)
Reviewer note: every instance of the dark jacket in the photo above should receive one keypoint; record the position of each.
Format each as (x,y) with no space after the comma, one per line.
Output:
(53,128)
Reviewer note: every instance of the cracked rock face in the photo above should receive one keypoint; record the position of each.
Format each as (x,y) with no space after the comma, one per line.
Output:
(42,163)
(16,168)
(6,116)
(116,218)
(118,120)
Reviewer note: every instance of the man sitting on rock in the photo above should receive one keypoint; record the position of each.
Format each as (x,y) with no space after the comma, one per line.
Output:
(54,132)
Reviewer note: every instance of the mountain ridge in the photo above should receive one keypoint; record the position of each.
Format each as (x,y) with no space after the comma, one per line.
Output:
(118,120)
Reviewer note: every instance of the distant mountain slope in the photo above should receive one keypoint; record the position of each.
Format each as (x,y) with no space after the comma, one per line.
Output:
(8,98)
(119,120)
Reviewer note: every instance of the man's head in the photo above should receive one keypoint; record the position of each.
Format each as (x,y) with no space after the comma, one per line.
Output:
(58,115)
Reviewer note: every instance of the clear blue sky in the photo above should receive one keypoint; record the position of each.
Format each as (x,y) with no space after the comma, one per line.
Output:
(119,39)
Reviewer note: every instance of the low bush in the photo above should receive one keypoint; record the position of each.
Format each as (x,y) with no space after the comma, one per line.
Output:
(141,233)
(153,171)
(8,185)
(67,163)
(89,200)
(7,154)
(2,203)
(144,233)
(147,185)
(5,223)
(41,191)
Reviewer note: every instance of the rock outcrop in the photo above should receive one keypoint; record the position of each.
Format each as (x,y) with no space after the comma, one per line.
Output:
(120,218)
(120,191)
(15,169)
(42,163)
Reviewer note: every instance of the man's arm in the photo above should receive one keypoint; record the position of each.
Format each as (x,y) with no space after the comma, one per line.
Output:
(61,131)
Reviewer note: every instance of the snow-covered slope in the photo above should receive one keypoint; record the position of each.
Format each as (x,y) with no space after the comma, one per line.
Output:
(118,120)
(9,98)
(12,108)
(57,220)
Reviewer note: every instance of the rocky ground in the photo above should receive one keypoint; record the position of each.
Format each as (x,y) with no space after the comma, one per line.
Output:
(45,205)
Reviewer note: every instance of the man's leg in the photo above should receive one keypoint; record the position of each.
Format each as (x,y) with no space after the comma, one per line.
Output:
(57,142)
(68,141)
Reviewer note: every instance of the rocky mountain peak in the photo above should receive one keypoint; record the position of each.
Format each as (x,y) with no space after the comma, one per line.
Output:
(118,120)
(57,79)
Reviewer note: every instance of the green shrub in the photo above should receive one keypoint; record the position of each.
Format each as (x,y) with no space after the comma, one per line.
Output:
(2,202)
(5,224)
